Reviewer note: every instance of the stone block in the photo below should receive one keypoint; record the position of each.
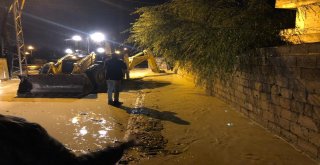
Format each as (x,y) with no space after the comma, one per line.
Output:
(312,86)
(244,111)
(310,74)
(275,90)
(286,114)
(256,94)
(295,117)
(275,61)
(265,105)
(273,127)
(297,107)
(314,138)
(314,99)
(271,79)
(239,94)
(244,82)
(289,61)
(308,147)
(275,99)
(248,106)
(286,93)
(246,91)
(299,131)
(267,70)
(284,123)
(314,48)
(283,50)
(276,109)
(282,81)
(299,50)
(292,73)
(307,122)
(239,88)
(307,61)
(289,136)
(285,103)
(296,84)
(268,116)
(265,96)
(318,62)
(266,88)
(316,112)
(258,86)
(300,95)
(308,110)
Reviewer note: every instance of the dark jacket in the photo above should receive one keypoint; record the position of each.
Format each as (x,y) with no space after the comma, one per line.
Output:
(115,69)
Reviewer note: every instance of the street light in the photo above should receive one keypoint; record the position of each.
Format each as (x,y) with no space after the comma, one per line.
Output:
(101,50)
(30,48)
(69,51)
(97,37)
(117,52)
(76,38)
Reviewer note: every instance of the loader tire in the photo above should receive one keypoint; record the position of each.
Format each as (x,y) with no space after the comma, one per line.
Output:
(96,74)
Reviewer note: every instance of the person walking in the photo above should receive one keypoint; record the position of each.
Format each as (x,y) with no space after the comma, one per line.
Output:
(114,74)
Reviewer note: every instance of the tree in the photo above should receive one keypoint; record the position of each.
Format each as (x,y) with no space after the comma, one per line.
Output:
(208,35)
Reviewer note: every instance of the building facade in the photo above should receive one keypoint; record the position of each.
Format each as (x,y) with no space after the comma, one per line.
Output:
(307,28)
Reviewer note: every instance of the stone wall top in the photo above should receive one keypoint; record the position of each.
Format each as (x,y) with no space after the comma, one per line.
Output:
(291,50)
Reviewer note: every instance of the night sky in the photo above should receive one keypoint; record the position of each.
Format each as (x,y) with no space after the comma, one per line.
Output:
(49,23)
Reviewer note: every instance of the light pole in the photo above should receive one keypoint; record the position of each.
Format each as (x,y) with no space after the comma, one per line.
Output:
(25,56)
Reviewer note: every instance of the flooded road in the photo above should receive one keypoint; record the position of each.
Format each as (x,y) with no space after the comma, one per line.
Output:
(175,122)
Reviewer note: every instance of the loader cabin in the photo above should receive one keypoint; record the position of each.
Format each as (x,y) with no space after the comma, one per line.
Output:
(68,61)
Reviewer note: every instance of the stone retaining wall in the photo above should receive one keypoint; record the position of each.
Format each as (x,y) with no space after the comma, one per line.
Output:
(280,90)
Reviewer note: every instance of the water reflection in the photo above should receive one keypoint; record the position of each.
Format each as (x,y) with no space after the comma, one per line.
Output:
(102,133)
(229,124)
(91,129)
(83,131)
(75,120)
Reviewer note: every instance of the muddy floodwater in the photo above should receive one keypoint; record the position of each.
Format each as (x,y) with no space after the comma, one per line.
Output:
(175,123)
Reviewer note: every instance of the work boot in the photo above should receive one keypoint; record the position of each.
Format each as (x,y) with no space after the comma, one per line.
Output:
(110,102)
(117,103)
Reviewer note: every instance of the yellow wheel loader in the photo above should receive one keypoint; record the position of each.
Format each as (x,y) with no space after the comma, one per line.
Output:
(74,76)
(138,58)
(71,76)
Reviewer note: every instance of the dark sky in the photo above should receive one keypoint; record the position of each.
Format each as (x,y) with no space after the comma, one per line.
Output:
(47,23)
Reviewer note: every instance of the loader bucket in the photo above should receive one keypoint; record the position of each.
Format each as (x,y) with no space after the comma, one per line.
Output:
(58,86)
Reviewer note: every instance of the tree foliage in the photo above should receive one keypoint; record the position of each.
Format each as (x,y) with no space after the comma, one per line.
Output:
(207,35)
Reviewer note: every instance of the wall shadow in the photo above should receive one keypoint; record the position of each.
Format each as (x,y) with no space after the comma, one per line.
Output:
(164,116)
(139,84)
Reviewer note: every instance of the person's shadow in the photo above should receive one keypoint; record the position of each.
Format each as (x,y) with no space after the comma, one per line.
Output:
(165,115)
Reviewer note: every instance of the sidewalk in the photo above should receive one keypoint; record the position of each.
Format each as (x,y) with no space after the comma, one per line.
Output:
(200,129)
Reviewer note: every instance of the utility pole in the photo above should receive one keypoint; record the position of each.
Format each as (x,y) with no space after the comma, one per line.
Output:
(20,57)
